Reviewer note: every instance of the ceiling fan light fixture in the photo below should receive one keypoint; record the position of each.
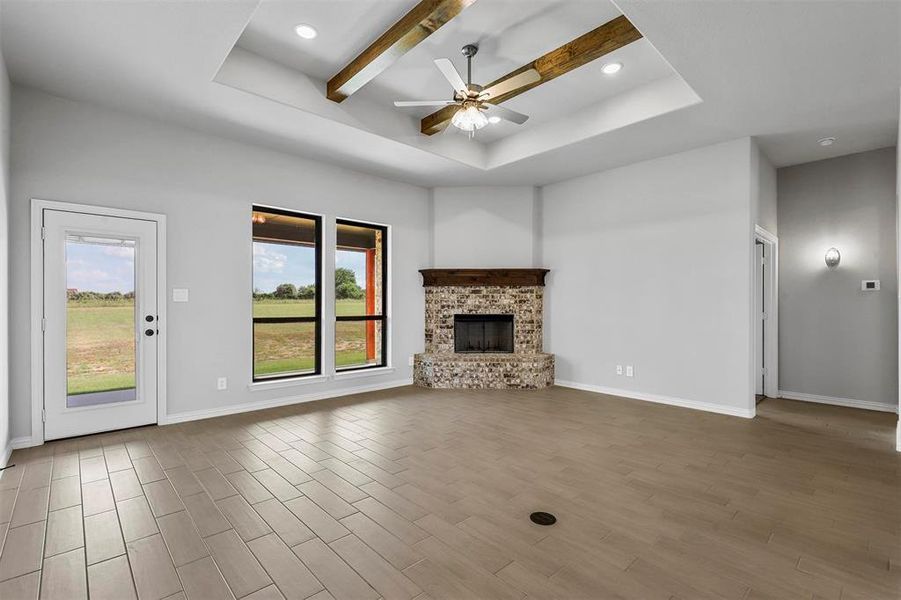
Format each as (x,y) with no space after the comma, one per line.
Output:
(307,32)
(612,68)
(469,118)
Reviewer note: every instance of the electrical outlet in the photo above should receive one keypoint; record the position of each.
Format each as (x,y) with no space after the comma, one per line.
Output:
(619,369)
(629,371)
(411,360)
(222,383)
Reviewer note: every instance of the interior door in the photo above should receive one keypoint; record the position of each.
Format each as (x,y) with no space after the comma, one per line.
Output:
(760,318)
(100,323)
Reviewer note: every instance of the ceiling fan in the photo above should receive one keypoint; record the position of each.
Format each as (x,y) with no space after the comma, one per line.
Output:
(475,107)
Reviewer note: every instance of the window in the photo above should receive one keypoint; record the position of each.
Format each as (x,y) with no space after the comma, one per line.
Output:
(287,304)
(361,276)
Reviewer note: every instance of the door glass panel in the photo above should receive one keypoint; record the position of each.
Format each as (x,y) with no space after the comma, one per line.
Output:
(100,320)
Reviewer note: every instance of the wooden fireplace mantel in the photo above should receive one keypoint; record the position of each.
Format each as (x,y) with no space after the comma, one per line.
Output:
(474,277)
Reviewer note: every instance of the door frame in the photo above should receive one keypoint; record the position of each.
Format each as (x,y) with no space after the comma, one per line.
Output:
(37,304)
(771,327)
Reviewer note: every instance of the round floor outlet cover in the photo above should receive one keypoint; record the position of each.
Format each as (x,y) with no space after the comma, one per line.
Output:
(543,518)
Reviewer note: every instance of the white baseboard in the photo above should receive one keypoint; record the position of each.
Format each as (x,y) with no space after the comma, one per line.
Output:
(693,404)
(15,444)
(234,409)
(849,402)
(5,458)
(22,442)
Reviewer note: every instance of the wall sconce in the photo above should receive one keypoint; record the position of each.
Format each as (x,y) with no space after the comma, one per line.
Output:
(833,257)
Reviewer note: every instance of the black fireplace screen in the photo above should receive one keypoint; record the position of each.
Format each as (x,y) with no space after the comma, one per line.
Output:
(483,333)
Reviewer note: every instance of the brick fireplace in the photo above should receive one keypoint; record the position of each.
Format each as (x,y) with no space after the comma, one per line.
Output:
(483,329)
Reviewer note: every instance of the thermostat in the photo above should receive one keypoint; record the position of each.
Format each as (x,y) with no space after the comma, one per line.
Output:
(869,285)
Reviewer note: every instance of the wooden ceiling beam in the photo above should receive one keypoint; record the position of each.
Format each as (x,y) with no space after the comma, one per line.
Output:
(610,36)
(422,21)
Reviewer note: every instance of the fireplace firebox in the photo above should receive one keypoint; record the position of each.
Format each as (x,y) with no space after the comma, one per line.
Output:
(483,334)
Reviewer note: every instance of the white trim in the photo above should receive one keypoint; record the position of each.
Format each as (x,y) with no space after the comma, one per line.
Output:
(735,411)
(288,382)
(765,235)
(362,373)
(37,296)
(16,444)
(208,413)
(22,442)
(849,402)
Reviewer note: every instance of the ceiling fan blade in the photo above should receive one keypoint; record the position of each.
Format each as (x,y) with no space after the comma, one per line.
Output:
(453,77)
(403,103)
(514,83)
(506,114)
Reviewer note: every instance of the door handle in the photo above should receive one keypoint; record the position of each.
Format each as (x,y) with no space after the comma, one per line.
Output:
(148,332)
(149,318)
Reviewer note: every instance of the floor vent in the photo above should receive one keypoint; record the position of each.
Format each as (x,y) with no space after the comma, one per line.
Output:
(543,518)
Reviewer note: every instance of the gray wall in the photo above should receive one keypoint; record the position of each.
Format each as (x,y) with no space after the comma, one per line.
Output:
(764,194)
(484,227)
(70,151)
(834,339)
(651,267)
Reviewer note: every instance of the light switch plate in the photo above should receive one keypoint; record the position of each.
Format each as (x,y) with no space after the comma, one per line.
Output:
(619,369)
(630,372)
(180,294)
(222,383)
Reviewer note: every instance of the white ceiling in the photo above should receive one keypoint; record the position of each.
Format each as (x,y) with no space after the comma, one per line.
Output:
(787,71)
(505,44)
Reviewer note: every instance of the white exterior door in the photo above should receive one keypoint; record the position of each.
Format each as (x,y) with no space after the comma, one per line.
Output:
(100,325)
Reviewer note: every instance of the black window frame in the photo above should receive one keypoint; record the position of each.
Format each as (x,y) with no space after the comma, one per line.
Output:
(316,319)
(383,318)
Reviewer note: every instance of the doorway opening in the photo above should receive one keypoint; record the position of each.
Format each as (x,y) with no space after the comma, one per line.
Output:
(766,315)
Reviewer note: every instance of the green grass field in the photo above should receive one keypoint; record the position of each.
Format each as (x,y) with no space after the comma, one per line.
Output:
(290,347)
(101,348)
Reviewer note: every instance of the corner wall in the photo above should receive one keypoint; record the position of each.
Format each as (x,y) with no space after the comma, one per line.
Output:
(651,267)
(75,152)
(837,343)
(484,227)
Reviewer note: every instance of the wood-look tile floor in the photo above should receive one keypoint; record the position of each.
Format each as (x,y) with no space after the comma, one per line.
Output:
(412,493)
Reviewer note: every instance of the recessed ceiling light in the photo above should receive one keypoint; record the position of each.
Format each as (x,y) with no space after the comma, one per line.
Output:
(611,68)
(494,120)
(826,141)
(307,32)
